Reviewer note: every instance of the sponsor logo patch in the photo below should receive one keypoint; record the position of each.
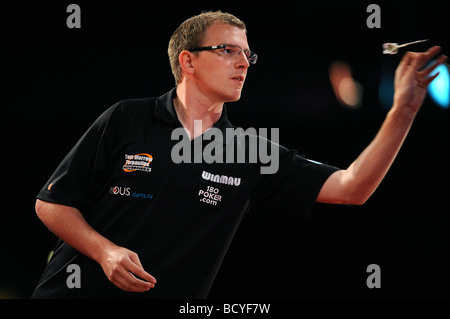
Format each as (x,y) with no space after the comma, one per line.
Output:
(127,192)
(137,162)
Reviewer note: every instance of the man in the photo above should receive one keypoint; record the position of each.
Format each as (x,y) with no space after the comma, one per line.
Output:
(138,224)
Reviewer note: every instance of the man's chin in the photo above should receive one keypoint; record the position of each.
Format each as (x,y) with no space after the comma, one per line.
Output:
(234,97)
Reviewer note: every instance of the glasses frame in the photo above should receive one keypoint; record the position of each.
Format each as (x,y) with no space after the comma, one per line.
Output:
(251,56)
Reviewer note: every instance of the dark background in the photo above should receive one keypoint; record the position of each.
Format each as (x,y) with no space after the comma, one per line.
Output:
(57,81)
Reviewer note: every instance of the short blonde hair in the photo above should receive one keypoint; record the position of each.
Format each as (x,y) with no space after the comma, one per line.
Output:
(191,32)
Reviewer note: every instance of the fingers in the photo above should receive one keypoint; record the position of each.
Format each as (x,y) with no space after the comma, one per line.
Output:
(422,59)
(124,269)
(127,282)
(430,79)
(137,270)
(433,66)
(404,63)
(413,62)
(426,57)
(418,60)
(429,54)
(126,277)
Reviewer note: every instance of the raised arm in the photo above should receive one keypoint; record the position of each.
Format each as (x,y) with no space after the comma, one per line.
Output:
(358,182)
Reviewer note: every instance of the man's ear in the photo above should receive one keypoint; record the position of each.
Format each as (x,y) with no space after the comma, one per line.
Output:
(185,59)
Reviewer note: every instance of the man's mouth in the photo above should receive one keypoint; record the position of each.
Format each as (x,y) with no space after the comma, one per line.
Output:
(239,78)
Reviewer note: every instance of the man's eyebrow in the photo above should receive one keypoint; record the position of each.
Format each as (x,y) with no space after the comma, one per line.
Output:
(237,46)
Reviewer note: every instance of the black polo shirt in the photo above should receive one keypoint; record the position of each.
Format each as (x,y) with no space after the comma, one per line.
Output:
(179,218)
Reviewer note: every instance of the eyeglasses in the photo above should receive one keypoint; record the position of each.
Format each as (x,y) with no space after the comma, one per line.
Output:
(230,50)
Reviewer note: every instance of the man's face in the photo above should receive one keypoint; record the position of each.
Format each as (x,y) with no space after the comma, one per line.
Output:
(217,75)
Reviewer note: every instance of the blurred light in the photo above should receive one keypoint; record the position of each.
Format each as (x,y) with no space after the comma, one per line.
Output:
(386,87)
(348,91)
(439,89)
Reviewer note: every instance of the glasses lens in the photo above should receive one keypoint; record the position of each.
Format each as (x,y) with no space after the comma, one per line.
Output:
(252,57)
(233,50)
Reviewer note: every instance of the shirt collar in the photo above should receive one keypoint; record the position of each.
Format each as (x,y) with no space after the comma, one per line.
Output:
(165,110)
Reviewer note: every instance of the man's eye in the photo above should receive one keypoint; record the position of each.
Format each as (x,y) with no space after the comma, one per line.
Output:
(227,51)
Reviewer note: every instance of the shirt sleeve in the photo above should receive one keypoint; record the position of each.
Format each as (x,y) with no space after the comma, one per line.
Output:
(80,175)
(296,184)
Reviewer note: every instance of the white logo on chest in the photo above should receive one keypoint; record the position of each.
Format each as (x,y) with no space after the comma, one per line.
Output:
(222,179)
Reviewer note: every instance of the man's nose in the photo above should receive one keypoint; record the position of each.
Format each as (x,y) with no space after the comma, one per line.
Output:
(242,61)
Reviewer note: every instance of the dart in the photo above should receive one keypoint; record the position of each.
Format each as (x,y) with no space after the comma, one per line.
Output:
(392,48)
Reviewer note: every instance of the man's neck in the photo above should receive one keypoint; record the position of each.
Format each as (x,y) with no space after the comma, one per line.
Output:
(194,106)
